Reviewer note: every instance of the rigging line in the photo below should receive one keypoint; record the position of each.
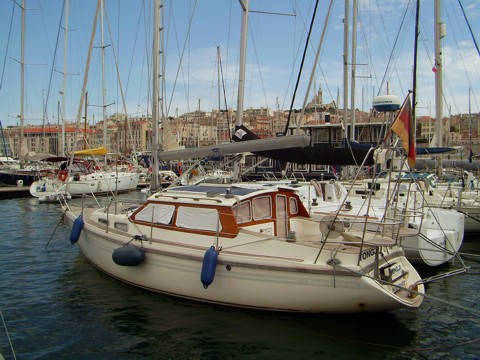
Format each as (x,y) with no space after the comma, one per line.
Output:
(147,57)
(258,65)
(120,87)
(437,248)
(393,49)
(225,98)
(469,27)
(53,62)
(8,43)
(315,64)
(134,46)
(180,67)
(295,53)
(462,59)
(369,46)
(301,68)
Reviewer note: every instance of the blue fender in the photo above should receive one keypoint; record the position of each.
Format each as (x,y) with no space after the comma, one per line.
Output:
(208,268)
(76,229)
(128,256)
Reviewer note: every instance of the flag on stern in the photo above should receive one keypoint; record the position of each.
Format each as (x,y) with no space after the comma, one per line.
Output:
(404,127)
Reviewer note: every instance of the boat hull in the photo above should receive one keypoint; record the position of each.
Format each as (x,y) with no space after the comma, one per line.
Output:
(95,183)
(243,281)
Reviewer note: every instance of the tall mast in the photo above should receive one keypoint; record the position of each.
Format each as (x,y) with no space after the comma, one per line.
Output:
(22,89)
(218,80)
(345,68)
(243,56)
(104,112)
(219,119)
(415,53)
(154,181)
(354,61)
(440,31)
(64,89)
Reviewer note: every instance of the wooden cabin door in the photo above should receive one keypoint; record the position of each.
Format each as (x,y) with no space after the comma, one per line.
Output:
(281,215)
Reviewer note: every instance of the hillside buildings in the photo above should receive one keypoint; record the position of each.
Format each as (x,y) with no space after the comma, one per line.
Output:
(201,128)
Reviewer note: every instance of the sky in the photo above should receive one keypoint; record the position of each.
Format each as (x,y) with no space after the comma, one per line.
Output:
(195,32)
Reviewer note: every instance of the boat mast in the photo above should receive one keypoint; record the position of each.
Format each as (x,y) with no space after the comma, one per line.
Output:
(64,88)
(219,96)
(154,181)
(85,76)
(22,89)
(219,81)
(415,52)
(241,78)
(243,56)
(354,61)
(440,31)
(104,112)
(345,69)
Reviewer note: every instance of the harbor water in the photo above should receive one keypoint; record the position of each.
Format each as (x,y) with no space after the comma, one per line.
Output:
(55,305)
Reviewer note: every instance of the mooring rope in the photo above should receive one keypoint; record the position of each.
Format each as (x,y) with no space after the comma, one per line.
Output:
(56,227)
(8,336)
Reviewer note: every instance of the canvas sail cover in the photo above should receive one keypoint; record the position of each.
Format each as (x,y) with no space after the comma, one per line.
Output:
(284,142)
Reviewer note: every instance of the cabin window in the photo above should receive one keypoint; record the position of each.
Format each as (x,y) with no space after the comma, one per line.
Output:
(120,226)
(301,167)
(320,136)
(317,167)
(243,212)
(293,206)
(336,136)
(156,213)
(262,208)
(198,218)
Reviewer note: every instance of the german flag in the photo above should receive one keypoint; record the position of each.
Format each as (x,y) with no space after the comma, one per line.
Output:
(404,127)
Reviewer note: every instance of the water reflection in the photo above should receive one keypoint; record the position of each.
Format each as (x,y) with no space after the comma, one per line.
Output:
(150,323)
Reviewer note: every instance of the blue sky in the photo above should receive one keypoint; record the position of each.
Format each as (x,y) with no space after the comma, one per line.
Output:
(275,46)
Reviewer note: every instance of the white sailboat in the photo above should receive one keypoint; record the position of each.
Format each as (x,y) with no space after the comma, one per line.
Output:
(244,247)
(81,178)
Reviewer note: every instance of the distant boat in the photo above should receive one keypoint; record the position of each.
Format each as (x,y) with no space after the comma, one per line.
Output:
(82,178)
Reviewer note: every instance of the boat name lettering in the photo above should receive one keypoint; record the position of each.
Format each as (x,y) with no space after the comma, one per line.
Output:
(367,253)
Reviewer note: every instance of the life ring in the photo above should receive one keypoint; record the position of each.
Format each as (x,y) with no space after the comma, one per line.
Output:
(62,175)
